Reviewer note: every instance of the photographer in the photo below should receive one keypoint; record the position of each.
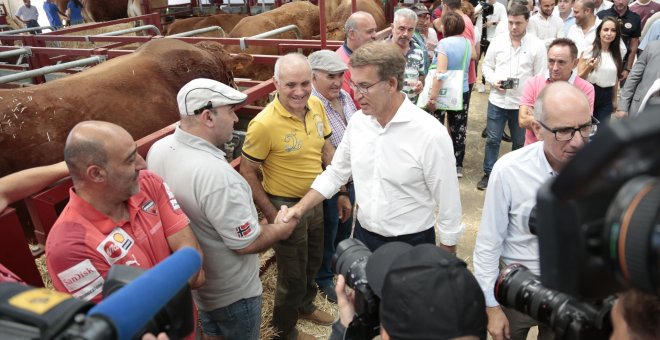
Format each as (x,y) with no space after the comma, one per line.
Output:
(564,125)
(425,292)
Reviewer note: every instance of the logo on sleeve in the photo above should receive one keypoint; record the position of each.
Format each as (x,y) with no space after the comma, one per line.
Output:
(115,246)
(150,208)
(170,195)
(79,275)
(244,230)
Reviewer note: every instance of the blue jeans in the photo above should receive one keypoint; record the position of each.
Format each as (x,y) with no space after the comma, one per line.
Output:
(334,232)
(497,119)
(240,320)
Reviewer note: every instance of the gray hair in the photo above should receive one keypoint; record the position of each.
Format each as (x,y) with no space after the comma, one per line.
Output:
(405,13)
(291,58)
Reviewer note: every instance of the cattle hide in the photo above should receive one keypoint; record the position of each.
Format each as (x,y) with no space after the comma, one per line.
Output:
(136,91)
(226,21)
(337,18)
(303,14)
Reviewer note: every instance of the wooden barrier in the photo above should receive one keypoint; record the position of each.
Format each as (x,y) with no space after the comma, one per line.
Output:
(14,251)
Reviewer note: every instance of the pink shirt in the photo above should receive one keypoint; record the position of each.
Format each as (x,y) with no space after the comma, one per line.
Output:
(468,33)
(533,88)
(84,243)
(345,55)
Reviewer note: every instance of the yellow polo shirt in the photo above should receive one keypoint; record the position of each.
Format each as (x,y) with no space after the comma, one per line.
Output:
(288,149)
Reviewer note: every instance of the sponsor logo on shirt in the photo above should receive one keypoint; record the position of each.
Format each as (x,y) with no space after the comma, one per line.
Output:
(79,275)
(173,202)
(150,208)
(244,230)
(115,246)
(92,290)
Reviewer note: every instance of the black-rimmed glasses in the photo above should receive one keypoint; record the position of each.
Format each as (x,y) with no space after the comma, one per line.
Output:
(565,134)
(362,88)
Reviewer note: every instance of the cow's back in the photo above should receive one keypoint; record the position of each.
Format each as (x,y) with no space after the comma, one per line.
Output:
(136,91)
(226,21)
(303,14)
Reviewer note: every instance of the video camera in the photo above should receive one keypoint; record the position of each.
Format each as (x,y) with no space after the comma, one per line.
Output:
(350,260)
(155,301)
(599,232)
(486,9)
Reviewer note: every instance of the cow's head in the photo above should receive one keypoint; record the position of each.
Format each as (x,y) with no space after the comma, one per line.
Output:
(232,63)
(335,31)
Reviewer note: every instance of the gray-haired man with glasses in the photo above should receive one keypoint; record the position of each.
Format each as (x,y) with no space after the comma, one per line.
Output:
(563,124)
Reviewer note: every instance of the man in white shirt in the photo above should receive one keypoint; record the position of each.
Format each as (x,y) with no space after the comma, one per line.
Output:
(499,14)
(510,61)
(564,11)
(28,14)
(544,25)
(601,5)
(399,185)
(563,123)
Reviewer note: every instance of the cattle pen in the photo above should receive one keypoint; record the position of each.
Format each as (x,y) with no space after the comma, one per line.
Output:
(42,54)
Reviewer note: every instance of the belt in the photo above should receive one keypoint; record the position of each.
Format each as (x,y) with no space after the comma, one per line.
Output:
(284,199)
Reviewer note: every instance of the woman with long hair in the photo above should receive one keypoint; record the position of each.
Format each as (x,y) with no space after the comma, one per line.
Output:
(74,10)
(452,53)
(601,64)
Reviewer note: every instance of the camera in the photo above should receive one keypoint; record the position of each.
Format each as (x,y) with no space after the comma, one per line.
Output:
(518,288)
(350,260)
(598,228)
(509,83)
(486,9)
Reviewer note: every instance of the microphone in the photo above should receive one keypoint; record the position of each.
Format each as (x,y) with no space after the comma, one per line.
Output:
(132,306)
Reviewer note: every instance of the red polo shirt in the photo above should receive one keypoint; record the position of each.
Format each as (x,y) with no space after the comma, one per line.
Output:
(84,243)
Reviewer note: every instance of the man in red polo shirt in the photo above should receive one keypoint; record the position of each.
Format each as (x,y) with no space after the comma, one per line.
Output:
(118,213)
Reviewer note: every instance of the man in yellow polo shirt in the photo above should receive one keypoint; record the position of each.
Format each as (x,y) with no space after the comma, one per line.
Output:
(289,141)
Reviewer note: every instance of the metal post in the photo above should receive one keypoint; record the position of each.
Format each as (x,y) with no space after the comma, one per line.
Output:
(198,31)
(25,30)
(50,69)
(276,31)
(18,51)
(131,30)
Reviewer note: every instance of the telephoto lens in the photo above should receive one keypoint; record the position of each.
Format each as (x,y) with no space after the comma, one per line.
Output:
(520,289)
(350,260)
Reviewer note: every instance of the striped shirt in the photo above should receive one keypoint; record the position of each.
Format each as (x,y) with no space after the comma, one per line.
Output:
(337,124)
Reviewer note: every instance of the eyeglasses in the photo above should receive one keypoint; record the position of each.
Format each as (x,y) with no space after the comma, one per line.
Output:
(363,89)
(566,134)
(208,106)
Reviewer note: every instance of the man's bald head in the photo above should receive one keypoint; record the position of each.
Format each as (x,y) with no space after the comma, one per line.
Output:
(87,144)
(560,97)
(291,61)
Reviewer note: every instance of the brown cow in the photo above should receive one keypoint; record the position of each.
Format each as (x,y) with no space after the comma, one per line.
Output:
(303,14)
(226,21)
(136,91)
(337,19)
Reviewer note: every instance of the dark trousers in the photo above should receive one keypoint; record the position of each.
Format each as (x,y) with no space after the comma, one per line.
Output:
(334,231)
(519,325)
(457,121)
(373,241)
(484,48)
(603,103)
(298,261)
(33,23)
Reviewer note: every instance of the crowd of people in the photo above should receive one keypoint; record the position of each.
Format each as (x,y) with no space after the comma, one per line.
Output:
(28,14)
(347,149)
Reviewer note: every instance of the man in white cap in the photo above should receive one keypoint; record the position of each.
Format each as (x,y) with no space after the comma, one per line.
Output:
(327,78)
(219,203)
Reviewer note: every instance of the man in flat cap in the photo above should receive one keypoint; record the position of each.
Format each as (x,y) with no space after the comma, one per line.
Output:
(327,78)
(219,203)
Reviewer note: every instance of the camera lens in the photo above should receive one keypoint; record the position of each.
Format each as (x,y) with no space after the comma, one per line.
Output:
(633,233)
(350,252)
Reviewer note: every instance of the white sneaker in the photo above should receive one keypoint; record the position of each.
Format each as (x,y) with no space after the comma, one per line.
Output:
(459,171)
(481,88)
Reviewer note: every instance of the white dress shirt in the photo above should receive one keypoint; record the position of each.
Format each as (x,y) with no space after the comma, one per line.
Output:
(502,61)
(603,6)
(504,231)
(402,173)
(568,22)
(498,17)
(546,29)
